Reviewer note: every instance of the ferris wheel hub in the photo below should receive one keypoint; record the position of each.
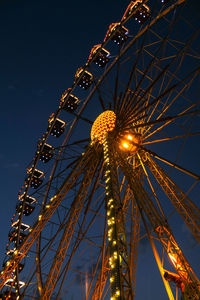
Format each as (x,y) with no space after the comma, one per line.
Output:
(104,123)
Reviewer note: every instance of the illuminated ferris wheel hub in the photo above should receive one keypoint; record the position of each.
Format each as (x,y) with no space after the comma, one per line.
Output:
(104,123)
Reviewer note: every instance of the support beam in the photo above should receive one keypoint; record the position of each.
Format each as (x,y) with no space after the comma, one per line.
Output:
(120,282)
(184,206)
(162,230)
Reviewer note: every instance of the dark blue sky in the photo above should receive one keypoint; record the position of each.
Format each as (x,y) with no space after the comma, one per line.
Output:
(42,44)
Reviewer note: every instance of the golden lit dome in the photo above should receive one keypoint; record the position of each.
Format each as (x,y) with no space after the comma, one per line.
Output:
(104,122)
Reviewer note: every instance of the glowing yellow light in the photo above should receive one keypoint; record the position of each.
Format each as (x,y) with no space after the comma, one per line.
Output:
(104,123)
(172,258)
(174,261)
(118,293)
(125,145)
(129,137)
(130,142)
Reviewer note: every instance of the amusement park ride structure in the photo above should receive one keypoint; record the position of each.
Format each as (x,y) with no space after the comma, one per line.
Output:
(113,166)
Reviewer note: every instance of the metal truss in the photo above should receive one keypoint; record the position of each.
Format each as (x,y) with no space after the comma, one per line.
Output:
(161,228)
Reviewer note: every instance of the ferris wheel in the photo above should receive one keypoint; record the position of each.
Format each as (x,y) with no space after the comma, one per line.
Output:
(115,168)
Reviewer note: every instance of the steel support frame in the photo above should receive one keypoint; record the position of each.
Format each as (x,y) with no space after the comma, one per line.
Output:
(120,281)
(184,206)
(161,228)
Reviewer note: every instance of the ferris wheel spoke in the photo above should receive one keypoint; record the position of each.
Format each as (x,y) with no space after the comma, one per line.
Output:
(170,163)
(100,97)
(115,96)
(126,99)
(166,119)
(133,117)
(159,129)
(152,64)
(171,138)
(82,118)
(120,99)
(136,109)
(166,107)
(54,176)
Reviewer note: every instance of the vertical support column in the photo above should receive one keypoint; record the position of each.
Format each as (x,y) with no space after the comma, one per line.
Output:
(114,260)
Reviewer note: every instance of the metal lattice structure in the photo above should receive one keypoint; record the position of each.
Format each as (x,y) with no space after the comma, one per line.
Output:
(107,191)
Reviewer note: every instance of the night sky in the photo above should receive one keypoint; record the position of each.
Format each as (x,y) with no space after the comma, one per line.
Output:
(42,45)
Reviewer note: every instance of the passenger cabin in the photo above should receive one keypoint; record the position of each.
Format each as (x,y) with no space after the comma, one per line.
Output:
(12,236)
(36,178)
(140,15)
(10,252)
(28,199)
(70,104)
(28,209)
(99,56)
(8,263)
(47,153)
(118,33)
(83,78)
(24,226)
(58,127)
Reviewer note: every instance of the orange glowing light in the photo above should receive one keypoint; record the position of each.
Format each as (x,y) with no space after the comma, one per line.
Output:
(104,123)
(125,145)
(130,137)
(130,142)
(174,261)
